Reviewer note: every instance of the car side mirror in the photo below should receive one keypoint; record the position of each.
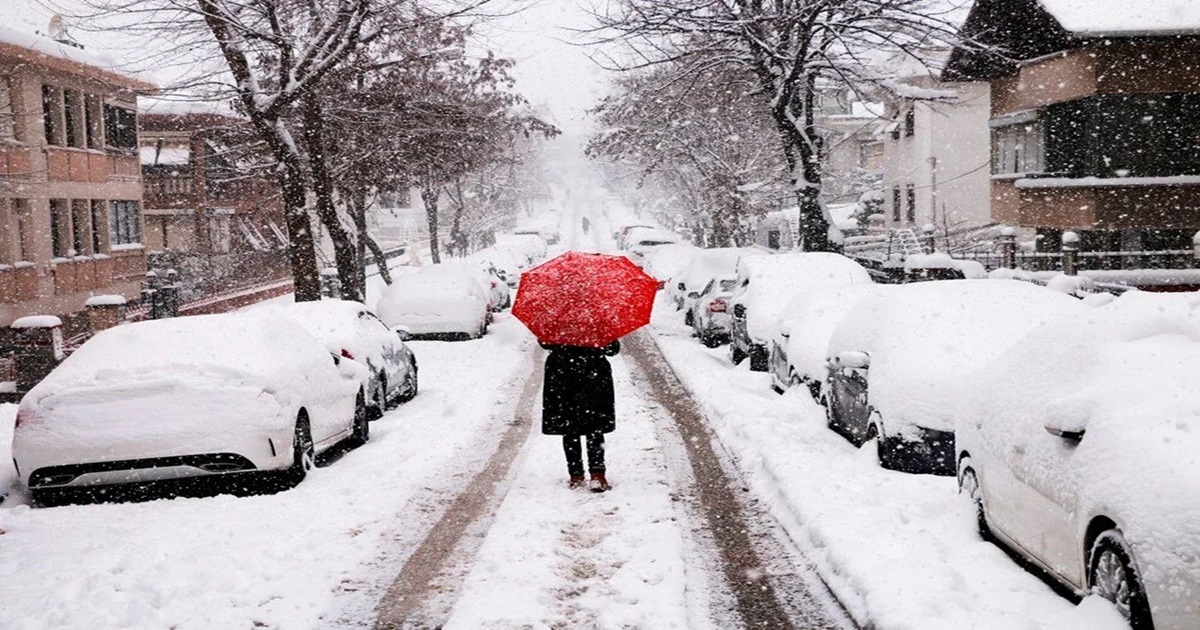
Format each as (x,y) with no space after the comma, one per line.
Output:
(1067,431)
(853,359)
(694,295)
(682,286)
(403,333)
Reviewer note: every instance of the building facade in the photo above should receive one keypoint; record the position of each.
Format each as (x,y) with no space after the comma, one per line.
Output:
(70,183)
(935,158)
(1095,119)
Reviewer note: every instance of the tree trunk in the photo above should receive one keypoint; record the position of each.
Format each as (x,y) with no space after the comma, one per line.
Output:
(344,250)
(358,214)
(429,196)
(301,246)
(458,241)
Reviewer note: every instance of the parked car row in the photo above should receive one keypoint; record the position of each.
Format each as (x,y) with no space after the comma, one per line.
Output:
(1073,427)
(259,393)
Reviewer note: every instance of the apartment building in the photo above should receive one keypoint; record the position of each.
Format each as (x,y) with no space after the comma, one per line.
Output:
(70,182)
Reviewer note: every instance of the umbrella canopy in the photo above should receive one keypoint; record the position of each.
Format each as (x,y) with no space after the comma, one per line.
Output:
(582,299)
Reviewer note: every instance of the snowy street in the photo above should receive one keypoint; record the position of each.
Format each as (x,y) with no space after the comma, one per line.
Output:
(731,507)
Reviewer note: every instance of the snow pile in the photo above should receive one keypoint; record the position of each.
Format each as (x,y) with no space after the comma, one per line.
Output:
(106,300)
(36,321)
(766,283)
(922,335)
(1126,374)
(810,319)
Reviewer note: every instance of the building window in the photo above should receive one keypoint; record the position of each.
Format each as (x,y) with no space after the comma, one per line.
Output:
(123,223)
(1018,149)
(60,228)
(219,235)
(93,119)
(52,114)
(98,223)
(24,241)
(896,204)
(81,227)
(74,133)
(120,127)
(910,121)
(911,198)
(7,118)
(773,239)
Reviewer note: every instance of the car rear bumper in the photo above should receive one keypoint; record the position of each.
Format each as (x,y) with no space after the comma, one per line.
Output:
(931,454)
(138,470)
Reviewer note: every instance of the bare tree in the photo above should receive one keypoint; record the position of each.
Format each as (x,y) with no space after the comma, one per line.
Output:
(788,46)
(704,138)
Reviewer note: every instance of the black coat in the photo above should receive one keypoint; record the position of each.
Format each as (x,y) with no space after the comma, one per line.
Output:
(577,397)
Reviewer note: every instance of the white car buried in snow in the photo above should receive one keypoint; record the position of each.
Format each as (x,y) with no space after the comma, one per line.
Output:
(1081,450)
(436,306)
(186,397)
(352,331)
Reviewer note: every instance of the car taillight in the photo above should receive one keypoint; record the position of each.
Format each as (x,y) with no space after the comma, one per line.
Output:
(717,306)
(493,284)
(346,353)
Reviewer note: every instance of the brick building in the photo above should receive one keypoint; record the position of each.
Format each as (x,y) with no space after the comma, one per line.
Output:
(70,183)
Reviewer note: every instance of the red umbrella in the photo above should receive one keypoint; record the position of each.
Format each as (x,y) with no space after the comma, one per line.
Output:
(582,299)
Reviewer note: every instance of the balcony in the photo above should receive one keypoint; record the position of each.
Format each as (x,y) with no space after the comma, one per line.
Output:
(18,283)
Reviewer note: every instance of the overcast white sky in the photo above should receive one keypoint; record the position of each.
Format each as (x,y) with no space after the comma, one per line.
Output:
(552,71)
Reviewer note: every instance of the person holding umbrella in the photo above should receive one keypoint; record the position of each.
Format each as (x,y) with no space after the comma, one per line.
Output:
(578,402)
(579,306)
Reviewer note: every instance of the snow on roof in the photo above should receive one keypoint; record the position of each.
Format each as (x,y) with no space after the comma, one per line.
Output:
(45,47)
(167,156)
(1125,18)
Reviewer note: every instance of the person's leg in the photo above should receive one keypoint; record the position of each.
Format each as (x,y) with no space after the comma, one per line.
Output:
(595,448)
(574,456)
(595,452)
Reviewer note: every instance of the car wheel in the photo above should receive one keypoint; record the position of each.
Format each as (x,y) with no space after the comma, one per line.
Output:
(968,486)
(689,319)
(1113,576)
(409,390)
(736,355)
(758,360)
(381,405)
(362,424)
(304,453)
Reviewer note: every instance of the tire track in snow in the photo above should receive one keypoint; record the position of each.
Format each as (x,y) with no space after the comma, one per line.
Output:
(767,595)
(405,602)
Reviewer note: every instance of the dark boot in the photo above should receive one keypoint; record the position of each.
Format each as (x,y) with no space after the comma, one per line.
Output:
(598,483)
(575,482)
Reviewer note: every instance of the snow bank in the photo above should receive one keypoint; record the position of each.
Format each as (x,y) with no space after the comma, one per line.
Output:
(921,335)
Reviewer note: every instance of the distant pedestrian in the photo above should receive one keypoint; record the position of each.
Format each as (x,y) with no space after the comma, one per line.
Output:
(577,402)
(585,224)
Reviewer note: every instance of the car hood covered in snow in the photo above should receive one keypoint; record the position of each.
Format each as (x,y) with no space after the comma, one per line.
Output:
(921,336)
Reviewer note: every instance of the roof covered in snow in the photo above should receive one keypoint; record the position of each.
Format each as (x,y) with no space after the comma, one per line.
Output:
(36,48)
(1125,18)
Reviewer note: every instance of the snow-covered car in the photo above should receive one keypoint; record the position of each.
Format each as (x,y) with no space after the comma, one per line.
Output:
(640,242)
(765,284)
(507,264)
(709,312)
(352,331)
(436,306)
(546,233)
(1080,448)
(187,397)
(530,246)
(797,352)
(894,357)
(622,233)
(498,293)
(705,265)
(667,261)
